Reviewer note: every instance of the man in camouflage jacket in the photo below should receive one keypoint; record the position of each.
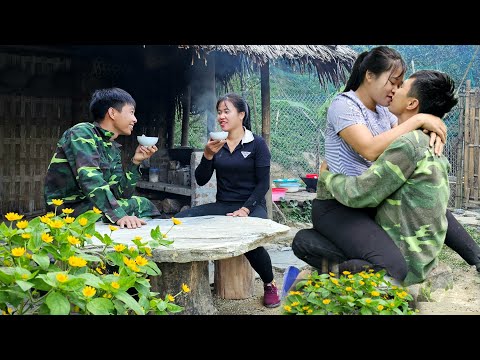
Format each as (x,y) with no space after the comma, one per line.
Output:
(408,184)
(86,169)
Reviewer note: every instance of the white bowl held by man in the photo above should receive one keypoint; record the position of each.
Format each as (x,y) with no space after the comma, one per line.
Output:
(147,140)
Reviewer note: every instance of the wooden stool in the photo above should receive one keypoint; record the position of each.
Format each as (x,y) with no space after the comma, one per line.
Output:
(234,278)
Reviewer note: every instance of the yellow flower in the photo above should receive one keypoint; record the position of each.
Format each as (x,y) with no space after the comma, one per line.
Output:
(97,269)
(346,273)
(116,274)
(368,300)
(83,221)
(295,303)
(61,277)
(50,214)
(47,238)
(57,202)
(392,304)
(115,285)
(69,219)
(380,307)
(128,261)
(287,308)
(119,247)
(374,284)
(185,288)
(28,255)
(350,276)
(45,219)
(88,236)
(24,276)
(73,240)
(305,308)
(76,261)
(88,291)
(176,221)
(331,274)
(375,293)
(107,296)
(97,211)
(148,251)
(11,216)
(22,224)
(134,267)
(137,238)
(326,301)
(18,251)
(371,270)
(26,236)
(112,228)
(132,248)
(141,261)
(170,298)
(10,310)
(67,211)
(164,236)
(348,288)
(361,282)
(56,224)
(335,281)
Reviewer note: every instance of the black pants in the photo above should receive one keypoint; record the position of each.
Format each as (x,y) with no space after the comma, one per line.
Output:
(357,235)
(258,258)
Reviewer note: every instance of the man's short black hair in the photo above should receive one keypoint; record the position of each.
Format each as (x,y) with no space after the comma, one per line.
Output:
(435,92)
(103,99)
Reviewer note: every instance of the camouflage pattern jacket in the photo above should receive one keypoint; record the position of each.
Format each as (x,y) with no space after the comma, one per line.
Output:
(409,186)
(86,170)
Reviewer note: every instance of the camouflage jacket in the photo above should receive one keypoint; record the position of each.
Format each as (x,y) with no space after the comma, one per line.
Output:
(409,186)
(87,167)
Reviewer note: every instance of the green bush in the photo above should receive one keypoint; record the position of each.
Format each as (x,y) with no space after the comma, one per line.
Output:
(45,268)
(364,293)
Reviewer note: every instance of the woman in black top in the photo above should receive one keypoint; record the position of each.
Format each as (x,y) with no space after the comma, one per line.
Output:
(242,164)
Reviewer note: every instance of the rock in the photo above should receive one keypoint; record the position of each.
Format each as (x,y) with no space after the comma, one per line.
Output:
(439,278)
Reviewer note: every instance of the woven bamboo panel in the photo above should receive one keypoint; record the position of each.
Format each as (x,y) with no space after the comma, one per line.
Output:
(29,130)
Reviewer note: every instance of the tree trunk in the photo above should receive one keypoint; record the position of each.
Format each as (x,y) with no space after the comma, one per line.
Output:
(199,300)
(234,278)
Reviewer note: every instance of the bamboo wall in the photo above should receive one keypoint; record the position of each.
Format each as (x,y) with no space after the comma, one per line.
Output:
(29,128)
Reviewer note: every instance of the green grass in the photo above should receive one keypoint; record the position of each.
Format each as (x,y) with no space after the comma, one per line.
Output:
(451,258)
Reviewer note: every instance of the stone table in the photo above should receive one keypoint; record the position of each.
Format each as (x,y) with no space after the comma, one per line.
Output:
(197,241)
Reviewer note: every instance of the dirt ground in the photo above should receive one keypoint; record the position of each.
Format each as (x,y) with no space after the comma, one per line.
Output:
(463,299)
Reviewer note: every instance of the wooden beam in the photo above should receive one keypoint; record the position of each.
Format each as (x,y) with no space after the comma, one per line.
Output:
(265,91)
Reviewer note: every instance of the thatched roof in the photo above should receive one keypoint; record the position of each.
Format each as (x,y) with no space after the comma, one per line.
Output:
(331,61)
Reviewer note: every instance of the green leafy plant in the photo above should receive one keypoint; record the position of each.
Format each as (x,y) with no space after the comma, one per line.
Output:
(364,293)
(296,213)
(47,267)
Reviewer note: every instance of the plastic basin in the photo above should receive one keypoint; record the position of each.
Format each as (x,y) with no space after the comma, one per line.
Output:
(278,193)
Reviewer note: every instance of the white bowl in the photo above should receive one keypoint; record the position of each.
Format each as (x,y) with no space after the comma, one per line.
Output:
(218,135)
(147,140)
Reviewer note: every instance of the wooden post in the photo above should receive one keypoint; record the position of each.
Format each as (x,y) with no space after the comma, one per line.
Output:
(210,93)
(265,91)
(234,278)
(466,178)
(460,165)
(186,101)
(476,150)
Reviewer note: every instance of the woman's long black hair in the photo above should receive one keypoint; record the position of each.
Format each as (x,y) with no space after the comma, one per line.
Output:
(377,60)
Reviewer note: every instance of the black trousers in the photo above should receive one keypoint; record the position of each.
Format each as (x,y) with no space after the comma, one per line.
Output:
(366,244)
(258,258)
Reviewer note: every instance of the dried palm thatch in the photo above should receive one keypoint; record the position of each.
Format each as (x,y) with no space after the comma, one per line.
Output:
(332,62)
